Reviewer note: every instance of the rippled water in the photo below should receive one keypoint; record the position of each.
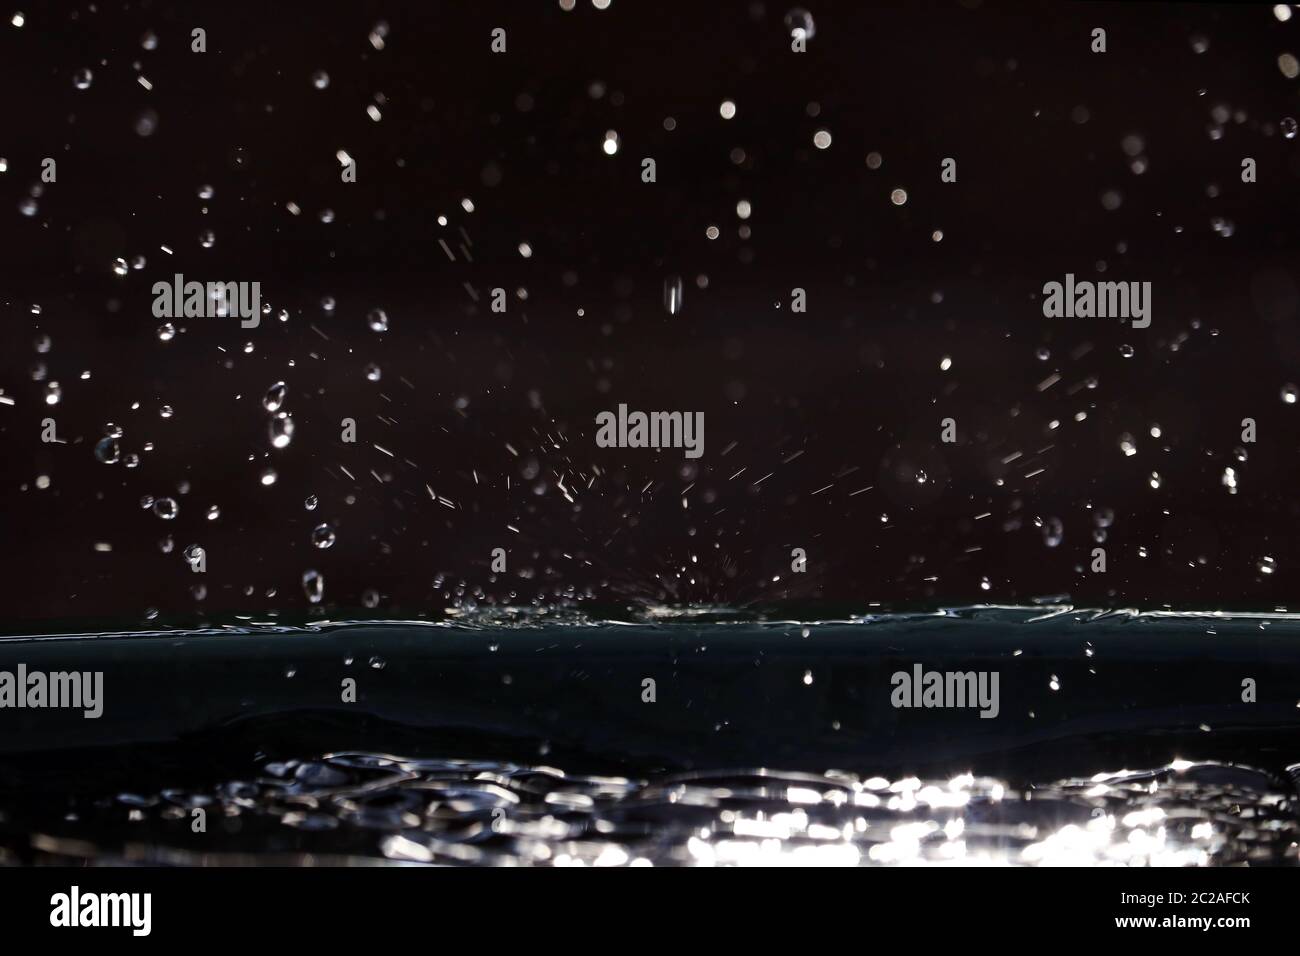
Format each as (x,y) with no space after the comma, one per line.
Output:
(366,807)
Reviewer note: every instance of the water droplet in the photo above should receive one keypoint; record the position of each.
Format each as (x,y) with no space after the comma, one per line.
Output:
(149,41)
(1053,532)
(310,503)
(82,79)
(166,332)
(377,319)
(370,598)
(320,79)
(166,411)
(1290,393)
(281,430)
(1200,43)
(207,239)
(268,477)
(166,508)
(120,267)
(1288,125)
(322,536)
(610,145)
(1266,565)
(1154,480)
(799,22)
(53,393)
(273,400)
(146,123)
(377,663)
(373,372)
(822,140)
(673,294)
(214,512)
(727,110)
(1127,351)
(108,450)
(313,585)
(898,197)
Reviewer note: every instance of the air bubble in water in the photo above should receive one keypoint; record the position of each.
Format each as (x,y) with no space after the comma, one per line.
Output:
(281,430)
(377,319)
(673,294)
(166,508)
(322,536)
(273,400)
(313,585)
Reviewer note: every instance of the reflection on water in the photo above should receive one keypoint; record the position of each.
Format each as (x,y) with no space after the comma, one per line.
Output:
(371,808)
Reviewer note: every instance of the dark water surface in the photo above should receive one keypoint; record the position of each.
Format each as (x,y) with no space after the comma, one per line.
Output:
(528,741)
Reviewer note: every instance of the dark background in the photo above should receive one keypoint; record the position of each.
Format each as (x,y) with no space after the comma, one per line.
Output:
(853,387)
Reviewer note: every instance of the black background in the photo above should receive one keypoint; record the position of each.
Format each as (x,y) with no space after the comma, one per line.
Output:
(1012,91)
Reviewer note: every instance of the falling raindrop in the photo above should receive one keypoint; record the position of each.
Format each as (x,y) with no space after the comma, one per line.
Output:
(673,294)
(108,450)
(281,430)
(82,79)
(322,536)
(320,79)
(313,585)
(377,319)
(800,22)
(273,400)
(166,508)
